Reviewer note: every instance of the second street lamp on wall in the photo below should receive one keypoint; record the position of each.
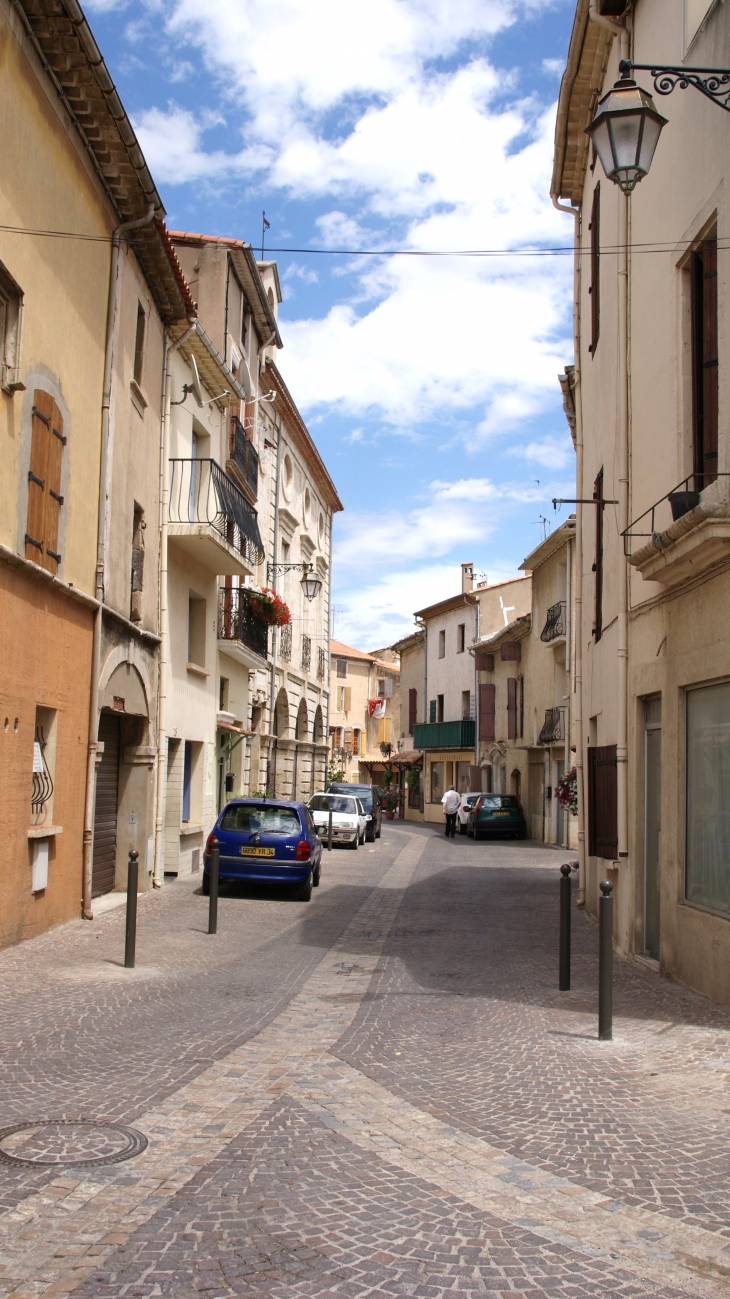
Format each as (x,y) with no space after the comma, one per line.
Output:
(625,131)
(311,584)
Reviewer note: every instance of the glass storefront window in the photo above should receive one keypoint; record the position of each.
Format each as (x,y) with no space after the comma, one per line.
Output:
(437,781)
(708,797)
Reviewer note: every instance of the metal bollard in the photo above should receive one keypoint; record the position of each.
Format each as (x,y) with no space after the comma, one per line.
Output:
(605,962)
(329,834)
(215,855)
(130,937)
(565,899)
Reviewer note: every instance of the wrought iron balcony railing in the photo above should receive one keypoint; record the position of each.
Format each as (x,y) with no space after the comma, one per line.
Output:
(555,622)
(306,653)
(321,662)
(285,642)
(244,455)
(237,621)
(201,492)
(553,730)
(654,522)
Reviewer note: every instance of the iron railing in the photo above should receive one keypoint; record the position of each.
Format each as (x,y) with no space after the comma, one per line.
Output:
(42,782)
(554,622)
(244,454)
(306,653)
(321,662)
(285,642)
(554,727)
(237,620)
(670,507)
(201,492)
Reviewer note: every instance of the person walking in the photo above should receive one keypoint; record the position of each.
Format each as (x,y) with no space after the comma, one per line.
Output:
(451,803)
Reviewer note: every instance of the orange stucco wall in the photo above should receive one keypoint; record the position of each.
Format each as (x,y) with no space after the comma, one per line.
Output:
(45,652)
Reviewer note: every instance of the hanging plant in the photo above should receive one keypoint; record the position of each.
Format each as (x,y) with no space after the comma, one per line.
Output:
(269,607)
(566,791)
(413,779)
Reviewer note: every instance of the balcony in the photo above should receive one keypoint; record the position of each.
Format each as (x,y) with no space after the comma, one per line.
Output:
(237,622)
(306,653)
(444,735)
(555,622)
(285,643)
(553,730)
(321,662)
(243,457)
(684,533)
(211,520)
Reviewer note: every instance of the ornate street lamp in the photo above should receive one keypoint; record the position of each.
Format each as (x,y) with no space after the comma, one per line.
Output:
(311,581)
(625,131)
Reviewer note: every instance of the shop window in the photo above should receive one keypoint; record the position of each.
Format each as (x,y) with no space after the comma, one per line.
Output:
(44,483)
(708,797)
(437,781)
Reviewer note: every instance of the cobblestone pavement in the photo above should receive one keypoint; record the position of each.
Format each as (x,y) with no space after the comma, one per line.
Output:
(378,1092)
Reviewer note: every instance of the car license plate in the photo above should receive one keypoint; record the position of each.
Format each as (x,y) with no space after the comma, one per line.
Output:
(257,852)
(500,813)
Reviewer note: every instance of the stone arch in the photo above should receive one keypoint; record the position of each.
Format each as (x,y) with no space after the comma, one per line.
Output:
(281,714)
(125,674)
(302,726)
(515,783)
(318,727)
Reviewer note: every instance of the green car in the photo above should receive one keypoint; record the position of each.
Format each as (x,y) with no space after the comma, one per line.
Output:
(497,814)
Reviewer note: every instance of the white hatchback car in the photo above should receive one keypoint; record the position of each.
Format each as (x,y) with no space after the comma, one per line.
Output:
(349,820)
(467,801)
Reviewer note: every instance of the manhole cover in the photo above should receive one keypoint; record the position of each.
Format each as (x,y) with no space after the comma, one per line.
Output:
(56,1142)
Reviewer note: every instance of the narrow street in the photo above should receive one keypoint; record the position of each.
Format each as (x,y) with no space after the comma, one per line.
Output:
(378,1092)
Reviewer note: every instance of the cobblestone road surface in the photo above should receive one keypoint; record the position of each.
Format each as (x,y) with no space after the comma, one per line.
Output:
(379,1092)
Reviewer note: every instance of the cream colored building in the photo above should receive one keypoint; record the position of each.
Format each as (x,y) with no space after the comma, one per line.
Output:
(652,400)
(364,712)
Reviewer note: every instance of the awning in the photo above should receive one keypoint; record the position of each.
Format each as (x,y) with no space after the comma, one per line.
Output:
(411,758)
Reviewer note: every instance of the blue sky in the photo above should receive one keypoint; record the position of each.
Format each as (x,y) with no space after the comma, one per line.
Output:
(429,384)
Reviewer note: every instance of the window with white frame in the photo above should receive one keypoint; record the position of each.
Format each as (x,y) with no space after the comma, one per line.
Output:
(11,314)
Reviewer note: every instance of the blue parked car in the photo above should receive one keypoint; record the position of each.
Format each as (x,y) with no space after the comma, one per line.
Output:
(266,841)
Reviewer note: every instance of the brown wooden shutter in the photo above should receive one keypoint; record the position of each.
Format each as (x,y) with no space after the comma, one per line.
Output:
(475,779)
(598,563)
(484,662)
(346,695)
(511,651)
(487,708)
(44,483)
(412,710)
(595,285)
(710,362)
(602,802)
(511,708)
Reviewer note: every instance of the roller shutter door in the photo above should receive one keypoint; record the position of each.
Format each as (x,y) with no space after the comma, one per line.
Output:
(105,809)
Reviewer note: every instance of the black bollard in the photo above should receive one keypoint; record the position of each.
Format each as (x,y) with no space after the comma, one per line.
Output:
(130,938)
(605,962)
(565,899)
(329,833)
(215,854)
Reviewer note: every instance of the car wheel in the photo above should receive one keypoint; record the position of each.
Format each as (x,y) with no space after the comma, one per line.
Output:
(362,838)
(462,828)
(206,885)
(370,836)
(304,892)
(355,843)
(316,877)
(377,833)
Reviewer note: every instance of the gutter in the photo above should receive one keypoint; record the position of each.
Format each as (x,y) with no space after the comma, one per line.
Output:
(101,548)
(275,558)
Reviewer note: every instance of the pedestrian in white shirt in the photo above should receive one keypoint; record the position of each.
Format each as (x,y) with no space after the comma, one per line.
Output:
(451,803)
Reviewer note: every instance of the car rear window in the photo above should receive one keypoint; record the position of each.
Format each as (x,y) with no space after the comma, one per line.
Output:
(264,819)
(364,793)
(499,800)
(332,803)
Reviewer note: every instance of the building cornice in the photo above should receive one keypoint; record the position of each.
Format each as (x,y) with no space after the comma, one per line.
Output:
(590,46)
(302,438)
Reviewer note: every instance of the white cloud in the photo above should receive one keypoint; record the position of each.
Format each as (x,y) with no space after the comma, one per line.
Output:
(554,451)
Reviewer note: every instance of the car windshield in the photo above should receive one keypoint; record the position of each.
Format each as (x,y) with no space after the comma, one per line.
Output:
(332,803)
(499,800)
(261,818)
(365,794)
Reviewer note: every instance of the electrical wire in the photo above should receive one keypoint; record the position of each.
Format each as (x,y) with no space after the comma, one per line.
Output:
(567,250)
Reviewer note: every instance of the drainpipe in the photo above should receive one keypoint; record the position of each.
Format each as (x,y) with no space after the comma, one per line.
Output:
(275,559)
(329,642)
(161,800)
(477,632)
(568,670)
(101,528)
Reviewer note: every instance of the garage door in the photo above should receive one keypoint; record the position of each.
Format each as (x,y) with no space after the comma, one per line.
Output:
(105,810)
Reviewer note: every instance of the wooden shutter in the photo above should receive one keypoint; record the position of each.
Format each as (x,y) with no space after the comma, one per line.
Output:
(105,808)
(709,362)
(487,708)
(595,285)
(384,732)
(475,780)
(511,708)
(511,651)
(44,483)
(346,696)
(602,802)
(598,563)
(412,710)
(484,662)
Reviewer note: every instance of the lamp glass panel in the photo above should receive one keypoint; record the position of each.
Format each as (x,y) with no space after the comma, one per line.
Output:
(625,136)
(652,130)
(602,141)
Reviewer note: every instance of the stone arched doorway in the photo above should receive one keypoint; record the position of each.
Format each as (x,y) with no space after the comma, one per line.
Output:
(302,721)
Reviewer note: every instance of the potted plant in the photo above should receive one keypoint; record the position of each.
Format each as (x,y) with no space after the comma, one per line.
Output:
(268,606)
(566,791)
(390,804)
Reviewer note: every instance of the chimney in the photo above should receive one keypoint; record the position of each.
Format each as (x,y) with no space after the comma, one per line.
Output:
(467,578)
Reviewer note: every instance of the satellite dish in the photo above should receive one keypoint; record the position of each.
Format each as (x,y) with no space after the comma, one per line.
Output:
(195,387)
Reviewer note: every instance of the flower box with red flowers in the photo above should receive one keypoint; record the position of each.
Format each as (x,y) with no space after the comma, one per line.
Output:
(269,607)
